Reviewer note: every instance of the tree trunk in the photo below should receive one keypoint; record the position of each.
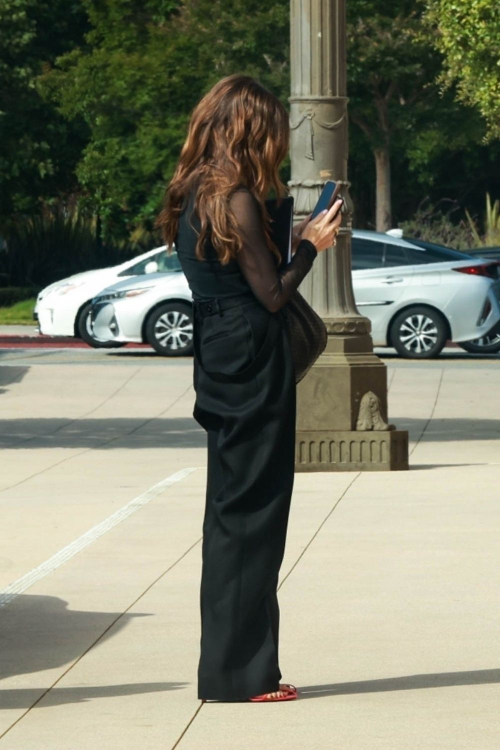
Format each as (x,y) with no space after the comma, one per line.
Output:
(383,188)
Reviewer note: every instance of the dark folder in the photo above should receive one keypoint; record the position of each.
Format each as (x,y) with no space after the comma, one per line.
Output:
(281,226)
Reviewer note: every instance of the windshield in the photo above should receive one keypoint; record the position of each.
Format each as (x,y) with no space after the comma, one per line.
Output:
(166,264)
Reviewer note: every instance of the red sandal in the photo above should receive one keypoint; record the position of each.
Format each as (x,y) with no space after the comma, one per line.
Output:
(289,693)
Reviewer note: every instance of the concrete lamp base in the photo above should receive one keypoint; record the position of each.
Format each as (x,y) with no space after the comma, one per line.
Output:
(320,450)
(342,411)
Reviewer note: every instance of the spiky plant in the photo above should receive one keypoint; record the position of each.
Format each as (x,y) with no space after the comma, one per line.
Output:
(57,242)
(491,236)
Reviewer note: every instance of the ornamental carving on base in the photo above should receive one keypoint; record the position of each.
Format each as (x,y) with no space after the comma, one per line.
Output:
(370,415)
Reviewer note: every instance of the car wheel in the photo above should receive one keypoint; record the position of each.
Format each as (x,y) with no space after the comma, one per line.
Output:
(85,331)
(418,333)
(489,344)
(169,329)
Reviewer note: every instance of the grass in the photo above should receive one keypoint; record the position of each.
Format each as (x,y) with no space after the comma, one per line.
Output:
(19,314)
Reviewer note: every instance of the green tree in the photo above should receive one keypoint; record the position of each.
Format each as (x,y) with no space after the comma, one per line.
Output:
(38,149)
(131,82)
(136,79)
(392,67)
(467,33)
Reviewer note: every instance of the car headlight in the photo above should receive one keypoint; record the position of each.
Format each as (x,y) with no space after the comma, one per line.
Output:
(121,295)
(67,287)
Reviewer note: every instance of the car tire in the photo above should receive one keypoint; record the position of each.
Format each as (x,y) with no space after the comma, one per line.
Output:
(84,331)
(489,344)
(169,329)
(419,332)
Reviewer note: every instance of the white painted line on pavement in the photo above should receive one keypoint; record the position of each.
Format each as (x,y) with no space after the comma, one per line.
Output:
(66,553)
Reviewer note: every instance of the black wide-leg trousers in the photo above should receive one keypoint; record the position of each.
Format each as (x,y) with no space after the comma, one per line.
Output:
(245,399)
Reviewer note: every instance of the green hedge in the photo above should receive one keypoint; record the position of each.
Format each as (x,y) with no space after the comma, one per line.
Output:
(11,294)
(56,243)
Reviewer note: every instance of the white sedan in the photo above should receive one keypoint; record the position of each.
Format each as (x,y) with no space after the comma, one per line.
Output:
(417,295)
(62,309)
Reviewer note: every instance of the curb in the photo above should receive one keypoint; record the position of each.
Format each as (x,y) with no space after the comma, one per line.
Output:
(62,342)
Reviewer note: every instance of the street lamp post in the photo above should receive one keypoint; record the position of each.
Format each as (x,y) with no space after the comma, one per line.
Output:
(342,402)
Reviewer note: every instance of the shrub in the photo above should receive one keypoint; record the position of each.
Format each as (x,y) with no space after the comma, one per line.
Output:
(491,225)
(56,243)
(433,224)
(12,294)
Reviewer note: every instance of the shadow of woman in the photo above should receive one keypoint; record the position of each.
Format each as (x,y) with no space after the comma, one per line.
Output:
(38,633)
(407,682)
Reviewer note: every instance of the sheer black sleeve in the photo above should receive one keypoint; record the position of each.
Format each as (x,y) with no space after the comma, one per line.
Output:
(272,288)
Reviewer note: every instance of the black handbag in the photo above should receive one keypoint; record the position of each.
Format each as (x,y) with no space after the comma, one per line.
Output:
(306,333)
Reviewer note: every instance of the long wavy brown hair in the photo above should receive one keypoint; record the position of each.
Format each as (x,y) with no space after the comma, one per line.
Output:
(238,135)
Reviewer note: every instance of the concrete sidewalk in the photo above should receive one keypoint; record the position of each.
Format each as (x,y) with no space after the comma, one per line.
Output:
(29,336)
(389,588)
(29,329)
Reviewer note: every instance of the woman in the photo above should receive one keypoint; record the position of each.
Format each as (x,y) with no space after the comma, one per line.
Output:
(243,373)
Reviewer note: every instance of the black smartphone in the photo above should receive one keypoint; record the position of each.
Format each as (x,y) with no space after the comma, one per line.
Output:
(328,196)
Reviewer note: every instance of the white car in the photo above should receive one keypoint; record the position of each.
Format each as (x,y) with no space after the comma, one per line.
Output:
(156,309)
(417,295)
(62,309)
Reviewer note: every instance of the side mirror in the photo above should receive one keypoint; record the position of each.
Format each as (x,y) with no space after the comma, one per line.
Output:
(151,267)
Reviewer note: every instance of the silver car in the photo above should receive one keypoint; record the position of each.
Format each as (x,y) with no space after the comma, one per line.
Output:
(417,295)
(156,308)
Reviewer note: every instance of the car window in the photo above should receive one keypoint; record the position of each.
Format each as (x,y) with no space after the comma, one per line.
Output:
(434,253)
(416,257)
(395,255)
(165,263)
(366,254)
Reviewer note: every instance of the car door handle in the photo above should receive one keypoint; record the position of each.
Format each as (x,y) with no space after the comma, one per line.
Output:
(392,280)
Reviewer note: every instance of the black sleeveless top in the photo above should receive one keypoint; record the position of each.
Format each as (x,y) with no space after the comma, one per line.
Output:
(253,271)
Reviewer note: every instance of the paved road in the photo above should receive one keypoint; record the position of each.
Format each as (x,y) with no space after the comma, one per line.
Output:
(389,588)
(45,349)
(450,357)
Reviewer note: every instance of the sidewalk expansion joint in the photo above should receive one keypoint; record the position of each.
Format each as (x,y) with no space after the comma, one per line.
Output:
(110,626)
(431,415)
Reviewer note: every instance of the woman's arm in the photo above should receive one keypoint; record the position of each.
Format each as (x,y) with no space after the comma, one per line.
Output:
(272,288)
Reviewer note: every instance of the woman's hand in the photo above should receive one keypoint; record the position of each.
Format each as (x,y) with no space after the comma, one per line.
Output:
(322,231)
(299,228)
(297,232)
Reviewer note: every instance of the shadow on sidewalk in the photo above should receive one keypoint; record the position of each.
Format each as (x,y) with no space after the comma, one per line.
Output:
(408,682)
(102,434)
(450,429)
(25,698)
(185,432)
(422,467)
(13,374)
(39,633)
